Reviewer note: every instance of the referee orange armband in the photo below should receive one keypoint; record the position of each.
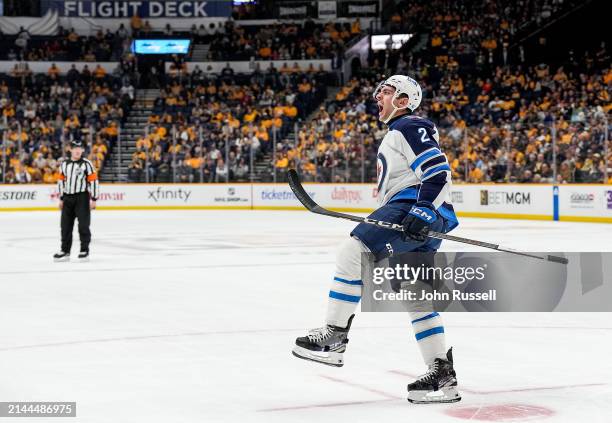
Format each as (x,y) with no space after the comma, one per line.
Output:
(92,177)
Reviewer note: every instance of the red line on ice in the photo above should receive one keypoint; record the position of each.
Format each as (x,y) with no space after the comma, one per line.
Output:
(503,391)
(363,387)
(388,397)
(330,404)
(500,412)
(254,331)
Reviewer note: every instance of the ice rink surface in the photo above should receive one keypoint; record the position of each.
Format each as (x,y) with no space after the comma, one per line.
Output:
(190,316)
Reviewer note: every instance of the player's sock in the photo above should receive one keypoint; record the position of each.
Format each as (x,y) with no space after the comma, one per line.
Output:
(344,296)
(345,290)
(429,333)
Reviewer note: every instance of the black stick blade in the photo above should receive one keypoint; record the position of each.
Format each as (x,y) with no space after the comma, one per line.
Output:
(310,204)
(300,192)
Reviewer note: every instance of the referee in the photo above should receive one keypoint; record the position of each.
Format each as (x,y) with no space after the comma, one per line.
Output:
(78,189)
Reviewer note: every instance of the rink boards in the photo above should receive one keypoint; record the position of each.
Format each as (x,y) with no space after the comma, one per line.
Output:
(513,201)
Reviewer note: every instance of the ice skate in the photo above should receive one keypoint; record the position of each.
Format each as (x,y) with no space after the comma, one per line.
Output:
(324,345)
(84,256)
(61,256)
(438,385)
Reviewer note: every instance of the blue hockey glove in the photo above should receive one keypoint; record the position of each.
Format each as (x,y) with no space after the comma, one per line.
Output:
(419,220)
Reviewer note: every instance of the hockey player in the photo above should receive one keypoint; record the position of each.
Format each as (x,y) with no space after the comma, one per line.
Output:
(414,180)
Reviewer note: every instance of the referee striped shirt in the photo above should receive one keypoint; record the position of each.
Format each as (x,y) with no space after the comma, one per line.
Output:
(78,176)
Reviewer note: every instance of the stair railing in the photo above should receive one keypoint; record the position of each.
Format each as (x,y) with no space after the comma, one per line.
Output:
(91,143)
(200,135)
(362,148)
(251,161)
(274,158)
(606,148)
(298,162)
(4,156)
(20,140)
(147,153)
(174,153)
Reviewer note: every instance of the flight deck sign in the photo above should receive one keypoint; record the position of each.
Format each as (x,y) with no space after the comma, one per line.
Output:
(144,9)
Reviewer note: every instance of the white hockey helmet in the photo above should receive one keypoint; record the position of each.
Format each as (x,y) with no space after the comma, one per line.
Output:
(403,85)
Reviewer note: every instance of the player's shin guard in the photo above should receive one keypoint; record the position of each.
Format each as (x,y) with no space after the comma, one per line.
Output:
(429,333)
(345,290)
(327,344)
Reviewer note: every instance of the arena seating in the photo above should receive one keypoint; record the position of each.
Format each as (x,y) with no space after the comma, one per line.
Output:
(200,122)
(43,112)
(497,108)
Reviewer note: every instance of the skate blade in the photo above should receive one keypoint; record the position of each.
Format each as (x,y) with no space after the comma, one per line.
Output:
(60,260)
(441,396)
(334,359)
(84,260)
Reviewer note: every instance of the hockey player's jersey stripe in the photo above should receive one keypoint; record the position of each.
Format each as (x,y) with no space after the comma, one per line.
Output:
(344,297)
(433,162)
(435,170)
(422,158)
(346,281)
(429,332)
(406,194)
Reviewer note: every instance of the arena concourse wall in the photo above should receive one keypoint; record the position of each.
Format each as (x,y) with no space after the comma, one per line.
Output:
(582,203)
(6,66)
(246,66)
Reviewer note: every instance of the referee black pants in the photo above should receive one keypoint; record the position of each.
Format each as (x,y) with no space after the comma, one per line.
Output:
(76,206)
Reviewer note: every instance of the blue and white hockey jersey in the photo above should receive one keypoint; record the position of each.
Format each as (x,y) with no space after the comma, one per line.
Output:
(411,166)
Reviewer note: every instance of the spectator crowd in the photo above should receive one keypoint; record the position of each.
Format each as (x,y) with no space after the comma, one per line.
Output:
(497,112)
(284,41)
(505,113)
(213,128)
(42,113)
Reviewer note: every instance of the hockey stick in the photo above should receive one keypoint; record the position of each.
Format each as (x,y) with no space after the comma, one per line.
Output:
(309,203)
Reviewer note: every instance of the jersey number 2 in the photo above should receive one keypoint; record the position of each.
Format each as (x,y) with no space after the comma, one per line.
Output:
(424,136)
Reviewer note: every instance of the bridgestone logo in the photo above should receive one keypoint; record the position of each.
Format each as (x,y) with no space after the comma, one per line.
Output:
(489,198)
(17,195)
